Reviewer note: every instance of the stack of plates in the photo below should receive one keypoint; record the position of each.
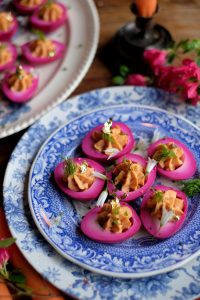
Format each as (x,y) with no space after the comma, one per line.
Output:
(140,268)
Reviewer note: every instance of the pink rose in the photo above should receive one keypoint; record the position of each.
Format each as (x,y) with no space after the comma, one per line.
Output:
(136,79)
(4,257)
(156,58)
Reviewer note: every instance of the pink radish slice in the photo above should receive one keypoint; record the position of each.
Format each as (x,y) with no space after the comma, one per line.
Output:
(60,48)
(13,50)
(88,143)
(91,228)
(6,35)
(20,97)
(138,193)
(152,224)
(188,167)
(89,194)
(48,26)
(27,9)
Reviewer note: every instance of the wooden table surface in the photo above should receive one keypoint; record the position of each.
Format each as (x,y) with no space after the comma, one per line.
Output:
(180,17)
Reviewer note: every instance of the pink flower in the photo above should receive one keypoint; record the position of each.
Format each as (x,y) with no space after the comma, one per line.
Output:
(183,80)
(156,58)
(4,257)
(136,79)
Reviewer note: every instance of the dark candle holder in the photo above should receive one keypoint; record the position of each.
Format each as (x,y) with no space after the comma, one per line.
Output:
(129,43)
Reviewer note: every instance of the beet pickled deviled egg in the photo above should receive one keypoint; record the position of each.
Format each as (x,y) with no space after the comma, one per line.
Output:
(80,178)
(49,17)
(42,51)
(129,177)
(175,160)
(113,223)
(28,6)
(8,25)
(8,55)
(20,84)
(108,141)
(163,211)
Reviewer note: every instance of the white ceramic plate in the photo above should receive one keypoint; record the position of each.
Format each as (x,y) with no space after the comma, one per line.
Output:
(181,284)
(59,79)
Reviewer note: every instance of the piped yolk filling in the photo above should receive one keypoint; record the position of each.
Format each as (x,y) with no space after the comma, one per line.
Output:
(169,156)
(6,21)
(115,218)
(169,201)
(128,176)
(20,81)
(116,139)
(79,181)
(30,3)
(42,48)
(50,12)
(5,54)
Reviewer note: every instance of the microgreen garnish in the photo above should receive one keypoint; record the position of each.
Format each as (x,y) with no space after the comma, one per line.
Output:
(164,153)
(158,196)
(40,34)
(69,167)
(19,72)
(126,214)
(115,211)
(107,137)
(115,222)
(191,187)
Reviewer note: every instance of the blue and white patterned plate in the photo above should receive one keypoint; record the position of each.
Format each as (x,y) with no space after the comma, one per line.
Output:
(182,284)
(58,79)
(141,255)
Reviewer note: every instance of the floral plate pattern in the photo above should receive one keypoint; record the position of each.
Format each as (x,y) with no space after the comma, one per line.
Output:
(181,284)
(138,257)
(59,79)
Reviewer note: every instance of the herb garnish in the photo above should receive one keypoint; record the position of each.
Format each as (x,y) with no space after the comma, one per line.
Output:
(164,153)
(69,167)
(191,187)
(40,34)
(158,196)
(107,137)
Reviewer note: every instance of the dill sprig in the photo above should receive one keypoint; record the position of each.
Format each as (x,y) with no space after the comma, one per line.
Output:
(164,153)
(191,187)
(158,196)
(69,167)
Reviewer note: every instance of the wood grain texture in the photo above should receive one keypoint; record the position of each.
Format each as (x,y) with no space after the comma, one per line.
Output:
(180,17)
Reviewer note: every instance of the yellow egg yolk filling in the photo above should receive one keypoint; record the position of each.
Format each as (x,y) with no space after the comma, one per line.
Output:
(6,21)
(115,218)
(80,179)
(5,54)
(30,3)
(129,176)
(168,200)
(42,48)
(116,139)
(50,12)
(169,156)
(20,81)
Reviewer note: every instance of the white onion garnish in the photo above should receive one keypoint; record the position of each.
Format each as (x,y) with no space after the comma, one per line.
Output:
(102,198)
(99,175)
(150,165)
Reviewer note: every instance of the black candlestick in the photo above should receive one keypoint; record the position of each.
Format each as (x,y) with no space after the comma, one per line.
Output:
(131,40)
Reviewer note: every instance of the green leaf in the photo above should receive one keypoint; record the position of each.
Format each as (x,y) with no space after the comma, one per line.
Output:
(69,167)
(164,153)
(158,196)
(40,34)
(7,242)
(118,80)
(124,70)
(107,137)
(191,187)
(171,56)
(17,277)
